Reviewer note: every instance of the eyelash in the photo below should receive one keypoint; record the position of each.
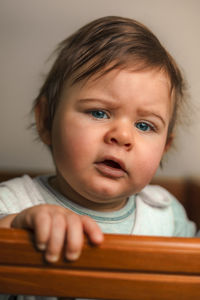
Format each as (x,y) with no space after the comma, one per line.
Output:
(149,125)
(92,113)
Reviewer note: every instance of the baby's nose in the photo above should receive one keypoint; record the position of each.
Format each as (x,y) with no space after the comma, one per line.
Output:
(121,135)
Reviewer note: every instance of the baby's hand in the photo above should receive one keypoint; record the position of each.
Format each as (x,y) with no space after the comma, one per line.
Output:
(55,227)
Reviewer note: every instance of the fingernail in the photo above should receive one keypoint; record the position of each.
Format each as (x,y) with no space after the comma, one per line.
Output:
(41,246)
(51,257)
(99,239)
(73,255)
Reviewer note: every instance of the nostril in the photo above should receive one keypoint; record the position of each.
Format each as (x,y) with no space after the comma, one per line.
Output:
(127,145)
(113,140)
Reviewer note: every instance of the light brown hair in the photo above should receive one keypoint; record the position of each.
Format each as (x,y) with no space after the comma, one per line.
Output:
(102,45)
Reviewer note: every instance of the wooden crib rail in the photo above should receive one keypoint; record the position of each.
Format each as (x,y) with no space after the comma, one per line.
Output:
(123,267)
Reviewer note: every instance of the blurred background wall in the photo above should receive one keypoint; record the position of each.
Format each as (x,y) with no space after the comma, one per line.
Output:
(30,31)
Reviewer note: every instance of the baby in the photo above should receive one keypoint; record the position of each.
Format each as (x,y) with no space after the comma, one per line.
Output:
(107,112)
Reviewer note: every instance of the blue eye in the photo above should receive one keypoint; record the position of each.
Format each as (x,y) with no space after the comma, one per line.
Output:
(143,126)
(99,114)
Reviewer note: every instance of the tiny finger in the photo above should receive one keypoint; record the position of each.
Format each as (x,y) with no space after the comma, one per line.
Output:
(57,237)
(42,228)
(74,240)
(92,229)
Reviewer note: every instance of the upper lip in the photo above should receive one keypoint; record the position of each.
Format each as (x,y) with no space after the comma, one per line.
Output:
(116,160)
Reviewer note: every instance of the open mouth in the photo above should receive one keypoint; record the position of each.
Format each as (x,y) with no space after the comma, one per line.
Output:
(112,164)
(111,168)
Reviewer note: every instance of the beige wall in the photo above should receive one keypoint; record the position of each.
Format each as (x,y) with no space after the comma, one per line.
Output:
(30,30)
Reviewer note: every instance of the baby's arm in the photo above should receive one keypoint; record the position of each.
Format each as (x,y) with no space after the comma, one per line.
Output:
(55,227)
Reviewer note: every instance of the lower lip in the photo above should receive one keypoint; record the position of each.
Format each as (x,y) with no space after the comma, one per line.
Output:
(109,171)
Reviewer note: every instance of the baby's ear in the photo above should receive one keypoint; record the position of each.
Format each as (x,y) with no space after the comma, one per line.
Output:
(169,142)
(41,117)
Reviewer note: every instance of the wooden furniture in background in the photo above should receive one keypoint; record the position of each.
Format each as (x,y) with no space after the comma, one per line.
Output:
(123,267)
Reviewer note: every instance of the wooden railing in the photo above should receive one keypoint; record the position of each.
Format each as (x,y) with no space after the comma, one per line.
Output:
(123,267)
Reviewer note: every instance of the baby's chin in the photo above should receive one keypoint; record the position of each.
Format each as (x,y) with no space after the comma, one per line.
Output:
(111,194)
(98,192)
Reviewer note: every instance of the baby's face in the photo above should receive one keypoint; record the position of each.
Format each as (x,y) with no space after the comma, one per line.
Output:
(109,135)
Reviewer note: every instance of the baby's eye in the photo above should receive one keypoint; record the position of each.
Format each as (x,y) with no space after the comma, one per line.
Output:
(99,114)
(143,126)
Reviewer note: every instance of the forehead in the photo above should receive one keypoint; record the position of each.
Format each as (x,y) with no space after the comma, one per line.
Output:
(149,87)
(122,81)
(123,75)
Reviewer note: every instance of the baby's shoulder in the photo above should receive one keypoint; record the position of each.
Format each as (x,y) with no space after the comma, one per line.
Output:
(17,194)
(156,196)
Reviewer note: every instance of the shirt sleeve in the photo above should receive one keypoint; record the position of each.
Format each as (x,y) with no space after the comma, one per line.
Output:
(183,227)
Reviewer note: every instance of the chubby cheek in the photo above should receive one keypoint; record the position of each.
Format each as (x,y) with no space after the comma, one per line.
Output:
(149,164)
(72,149)
(151,167)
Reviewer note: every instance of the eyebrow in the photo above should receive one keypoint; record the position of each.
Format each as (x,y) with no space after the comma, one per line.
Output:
(154,114)
(109,102)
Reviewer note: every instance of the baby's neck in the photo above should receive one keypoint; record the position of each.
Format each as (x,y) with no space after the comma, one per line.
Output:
(66,190)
